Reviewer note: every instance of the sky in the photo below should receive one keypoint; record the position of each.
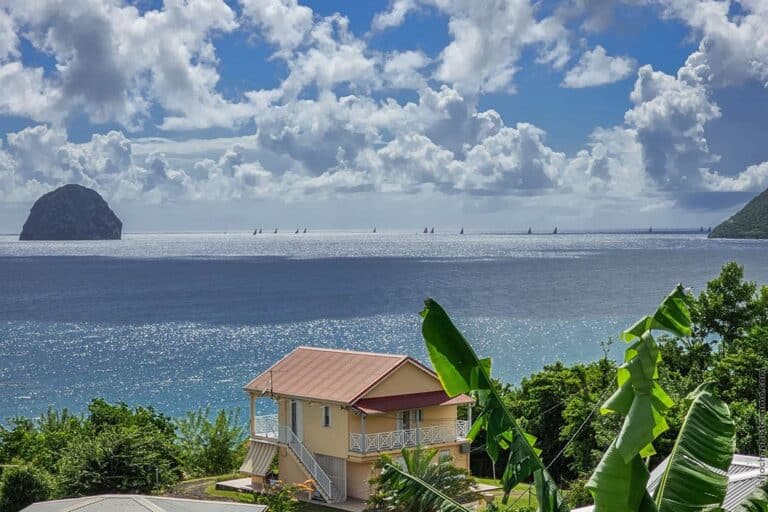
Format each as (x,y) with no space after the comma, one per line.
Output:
(489,114)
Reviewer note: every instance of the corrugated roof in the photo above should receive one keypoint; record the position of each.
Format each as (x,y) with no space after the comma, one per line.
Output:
(411,401)
(328,375)
(138,503)
(259,458)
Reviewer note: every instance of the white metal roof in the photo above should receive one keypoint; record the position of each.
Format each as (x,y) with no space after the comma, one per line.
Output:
(137,503)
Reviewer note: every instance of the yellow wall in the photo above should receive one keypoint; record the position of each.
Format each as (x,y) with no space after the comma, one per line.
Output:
(405,380)
(333,440)
(358,475)
(290,470)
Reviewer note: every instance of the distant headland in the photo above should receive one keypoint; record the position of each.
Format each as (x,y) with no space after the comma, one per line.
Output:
(749,222)
(71,212)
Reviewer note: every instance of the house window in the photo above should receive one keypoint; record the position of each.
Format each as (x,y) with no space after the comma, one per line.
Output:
(326,416)
(444,454)
(407,420)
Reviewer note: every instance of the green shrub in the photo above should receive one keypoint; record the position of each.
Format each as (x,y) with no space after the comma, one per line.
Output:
(211,447)
(21,486)
(120,460)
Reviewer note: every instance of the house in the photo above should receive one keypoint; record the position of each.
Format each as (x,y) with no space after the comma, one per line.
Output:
(137,503)
(338,410)
(744,476)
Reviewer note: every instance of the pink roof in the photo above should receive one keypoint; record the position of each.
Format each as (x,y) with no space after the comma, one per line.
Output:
(383,404)
(329,375)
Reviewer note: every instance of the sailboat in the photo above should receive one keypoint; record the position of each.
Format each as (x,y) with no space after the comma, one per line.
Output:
(555,231)
(259,230)
(256,231)
(432,231)
(426,231)
(275,230)
(305,231)
(462,231)
(297,231)
(529,231)
(374,229)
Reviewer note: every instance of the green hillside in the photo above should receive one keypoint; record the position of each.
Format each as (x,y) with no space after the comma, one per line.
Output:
(749,222)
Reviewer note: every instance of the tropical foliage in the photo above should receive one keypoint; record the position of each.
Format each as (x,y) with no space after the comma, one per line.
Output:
(117,448)
(437,471)
(694,478)
(211,447)
(21,486)
(282,497)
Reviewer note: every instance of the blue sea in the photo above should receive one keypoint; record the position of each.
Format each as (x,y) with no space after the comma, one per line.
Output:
(183,321)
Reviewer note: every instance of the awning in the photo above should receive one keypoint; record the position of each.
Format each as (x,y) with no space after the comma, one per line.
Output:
(384,404)
(259,458)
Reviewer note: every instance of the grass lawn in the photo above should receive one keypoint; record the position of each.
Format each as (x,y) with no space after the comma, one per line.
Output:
(240,497)
(519,495)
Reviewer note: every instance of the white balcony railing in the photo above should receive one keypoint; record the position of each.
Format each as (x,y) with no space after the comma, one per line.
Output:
(266,426)
(397,439)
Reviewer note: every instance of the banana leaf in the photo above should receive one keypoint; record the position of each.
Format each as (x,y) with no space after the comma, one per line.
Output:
(461,371)
(696,478)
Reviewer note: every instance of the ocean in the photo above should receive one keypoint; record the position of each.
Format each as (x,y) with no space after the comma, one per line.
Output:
(183,321)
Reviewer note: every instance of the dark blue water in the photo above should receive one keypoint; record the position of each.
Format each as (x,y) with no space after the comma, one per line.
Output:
(184,321)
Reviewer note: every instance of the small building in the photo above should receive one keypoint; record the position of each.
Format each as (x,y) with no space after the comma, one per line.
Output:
(744,476)
(338,410)
(137,503)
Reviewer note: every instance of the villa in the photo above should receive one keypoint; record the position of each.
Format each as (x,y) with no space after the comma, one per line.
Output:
(338,410)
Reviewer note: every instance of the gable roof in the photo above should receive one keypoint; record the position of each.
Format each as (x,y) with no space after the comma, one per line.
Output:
(743,477)
(329,375)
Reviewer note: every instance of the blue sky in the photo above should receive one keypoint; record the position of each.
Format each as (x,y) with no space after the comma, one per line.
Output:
(208,114)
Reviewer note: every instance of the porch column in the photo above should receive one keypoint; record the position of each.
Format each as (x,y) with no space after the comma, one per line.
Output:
(417,412)
(252,401)
(469,417)
(363,442)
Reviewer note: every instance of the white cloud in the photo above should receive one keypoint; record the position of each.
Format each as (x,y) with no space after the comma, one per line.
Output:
(752,179)
(402,70)
(734,47)
(596,67)
(115,63)
(284,23)
(486,43)
(395,16)
(669,116)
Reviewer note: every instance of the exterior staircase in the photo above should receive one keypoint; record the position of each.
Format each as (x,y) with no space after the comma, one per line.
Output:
(309,464)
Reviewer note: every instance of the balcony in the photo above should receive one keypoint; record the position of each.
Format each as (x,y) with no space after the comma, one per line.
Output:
(397,439)
(266,428)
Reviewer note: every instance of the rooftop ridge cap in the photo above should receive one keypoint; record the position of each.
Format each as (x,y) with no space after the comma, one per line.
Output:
(144,502)
(346,351)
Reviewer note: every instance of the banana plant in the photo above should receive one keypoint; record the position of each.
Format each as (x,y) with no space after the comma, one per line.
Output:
(696,475)
(619,482)
(461,371)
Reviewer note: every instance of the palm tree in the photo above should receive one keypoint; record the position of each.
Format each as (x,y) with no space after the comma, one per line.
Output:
(438,473)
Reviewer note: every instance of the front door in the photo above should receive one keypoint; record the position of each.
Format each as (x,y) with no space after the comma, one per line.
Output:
(296,421)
